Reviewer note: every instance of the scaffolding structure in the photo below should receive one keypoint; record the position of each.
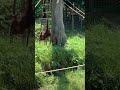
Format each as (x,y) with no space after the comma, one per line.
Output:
(46,13)
(69,9)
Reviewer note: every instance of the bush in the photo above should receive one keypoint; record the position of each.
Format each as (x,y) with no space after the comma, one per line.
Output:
(57,57)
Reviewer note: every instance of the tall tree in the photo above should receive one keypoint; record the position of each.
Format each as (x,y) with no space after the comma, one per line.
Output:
(58,32)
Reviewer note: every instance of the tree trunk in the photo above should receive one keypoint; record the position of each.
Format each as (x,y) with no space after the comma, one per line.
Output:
(58,32)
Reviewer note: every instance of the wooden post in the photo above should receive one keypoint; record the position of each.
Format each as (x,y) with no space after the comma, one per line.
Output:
(73,19)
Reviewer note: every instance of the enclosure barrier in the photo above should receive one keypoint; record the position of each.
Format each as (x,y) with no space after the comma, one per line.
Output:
(62,69)
(75,11)
(71,7)
(37,3)
(75,7)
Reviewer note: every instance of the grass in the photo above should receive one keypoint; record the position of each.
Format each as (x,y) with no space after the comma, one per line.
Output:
(48,57)
(102,57)
(16,65)
(75,46)
(71,80)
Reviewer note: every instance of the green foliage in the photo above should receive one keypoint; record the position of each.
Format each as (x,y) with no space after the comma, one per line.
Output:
(102,57)
(16,65)
(48,57)
(38,29)
(72,54)
(71,80)
(6,12)
(65,82)
(16,61)
(38,8)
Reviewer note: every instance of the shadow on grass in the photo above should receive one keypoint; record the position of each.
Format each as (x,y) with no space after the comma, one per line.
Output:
(63,83)
(62,58)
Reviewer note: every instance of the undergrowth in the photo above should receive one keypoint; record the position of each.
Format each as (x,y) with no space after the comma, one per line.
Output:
(70,80)
(48,57)
(16,65)
(102,57)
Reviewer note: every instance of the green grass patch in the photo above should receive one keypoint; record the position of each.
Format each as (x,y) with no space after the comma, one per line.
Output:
(70,80)
(16,65)
(102,57)
(57,57)
(48,57)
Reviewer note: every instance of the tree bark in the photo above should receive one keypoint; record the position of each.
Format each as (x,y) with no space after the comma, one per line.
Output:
(58,32)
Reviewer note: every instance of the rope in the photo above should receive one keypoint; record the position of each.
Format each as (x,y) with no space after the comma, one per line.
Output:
(76,7)
(75,11)
(37,3)
(62,69)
